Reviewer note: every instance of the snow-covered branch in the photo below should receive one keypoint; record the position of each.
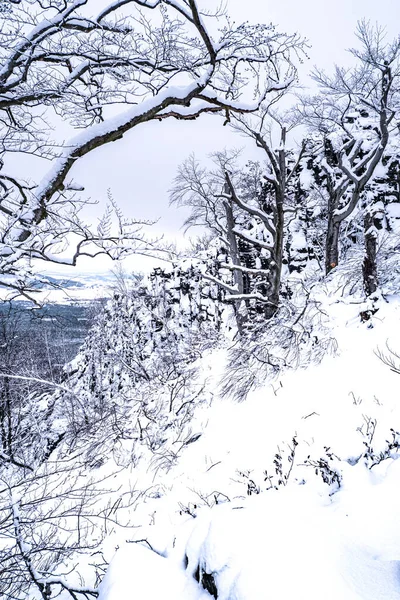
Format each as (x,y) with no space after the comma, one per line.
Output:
(84,67)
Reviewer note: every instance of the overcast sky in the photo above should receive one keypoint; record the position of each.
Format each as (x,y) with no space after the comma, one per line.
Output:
(139,169)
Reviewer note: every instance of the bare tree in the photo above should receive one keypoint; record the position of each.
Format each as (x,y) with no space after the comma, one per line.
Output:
(156,58)
(208,193)
(50,517)
(354,117)
(281,192)
(252,212)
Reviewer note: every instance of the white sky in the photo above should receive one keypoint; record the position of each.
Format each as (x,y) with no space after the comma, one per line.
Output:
(140,169)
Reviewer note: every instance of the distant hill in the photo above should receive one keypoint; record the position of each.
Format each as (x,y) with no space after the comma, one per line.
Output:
(80,288)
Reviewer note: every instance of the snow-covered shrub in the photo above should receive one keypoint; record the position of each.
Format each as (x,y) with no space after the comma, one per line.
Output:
(53,518)
(296,336)
(374,454)
(128,397)
(327,468)
(137,356)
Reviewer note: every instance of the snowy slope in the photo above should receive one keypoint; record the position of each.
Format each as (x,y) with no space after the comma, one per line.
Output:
(220,514)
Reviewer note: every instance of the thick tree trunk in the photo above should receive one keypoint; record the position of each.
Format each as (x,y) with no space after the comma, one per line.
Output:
(332,244)
(273,297)
(276,259)
(239,306)
(369,268)
(279,222)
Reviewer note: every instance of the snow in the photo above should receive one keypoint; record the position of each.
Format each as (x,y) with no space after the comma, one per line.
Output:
(116,123)
(117,4)
(36,33)
(306,178)
(208,500)
(253,240)
(80,289)
(307,539)
(137,572)
(292,493)
(393,210)
(286,544)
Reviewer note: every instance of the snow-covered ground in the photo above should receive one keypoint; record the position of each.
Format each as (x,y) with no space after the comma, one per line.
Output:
(220,514)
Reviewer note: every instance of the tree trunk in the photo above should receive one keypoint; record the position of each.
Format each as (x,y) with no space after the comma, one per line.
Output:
(369,268)
(276,259)
(279,222)
(332,243)
(239,306)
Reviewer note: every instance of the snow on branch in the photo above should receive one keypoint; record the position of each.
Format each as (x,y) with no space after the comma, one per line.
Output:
(82,66)
(250,238)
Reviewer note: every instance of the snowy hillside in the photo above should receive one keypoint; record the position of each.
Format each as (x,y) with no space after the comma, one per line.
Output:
(190,494)
(292,493)
(144,459)
(226,423)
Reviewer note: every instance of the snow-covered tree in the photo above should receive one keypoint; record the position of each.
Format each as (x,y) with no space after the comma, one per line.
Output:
(354,116)
(253,211)
(150,334)
(157,59)
(130,394)
(380,210)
